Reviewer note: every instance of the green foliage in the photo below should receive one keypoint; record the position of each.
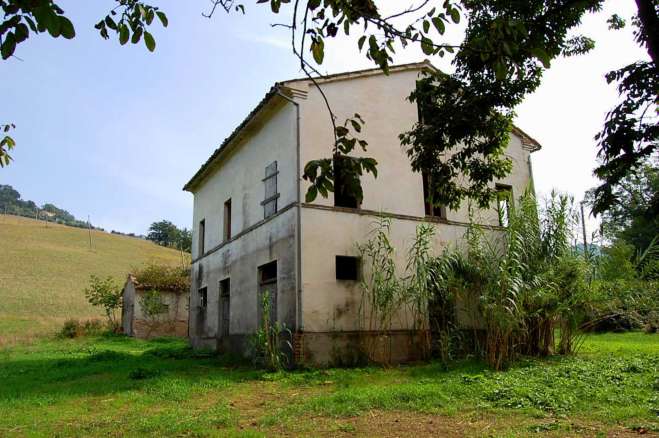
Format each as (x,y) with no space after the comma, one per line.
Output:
(167,234)
(74,328)
(621,305)
(388,294)
(105,293)
(342,172)
(528,281)
(39,16)
(616,263)
(633,215)
(456,137)
(6,144)
(163,277)
(152,304)
(268,342)
(63,387)
(630,134)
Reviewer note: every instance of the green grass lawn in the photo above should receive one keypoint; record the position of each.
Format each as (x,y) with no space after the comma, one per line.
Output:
(115,386)
(45,269)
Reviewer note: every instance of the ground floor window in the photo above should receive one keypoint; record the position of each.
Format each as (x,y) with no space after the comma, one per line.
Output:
(267,276)
(203,297)
(347,268)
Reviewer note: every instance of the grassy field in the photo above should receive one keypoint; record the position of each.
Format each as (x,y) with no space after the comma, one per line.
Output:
(115,386)
(45,268)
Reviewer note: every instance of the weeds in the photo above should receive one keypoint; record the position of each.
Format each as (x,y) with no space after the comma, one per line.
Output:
(269,340)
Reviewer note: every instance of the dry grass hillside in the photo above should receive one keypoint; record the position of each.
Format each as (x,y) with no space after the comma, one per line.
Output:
(44,270)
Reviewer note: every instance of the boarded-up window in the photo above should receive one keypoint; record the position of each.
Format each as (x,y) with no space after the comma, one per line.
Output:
(344,195)
(225,306)
(202,237)
(271,195)
(430,207)
(504,203)
(227,220)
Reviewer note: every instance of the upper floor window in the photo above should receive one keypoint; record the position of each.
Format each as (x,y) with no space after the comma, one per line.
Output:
(202,237)
(271,195)
(504,203)
(227,220)
(429,206)
(343,194)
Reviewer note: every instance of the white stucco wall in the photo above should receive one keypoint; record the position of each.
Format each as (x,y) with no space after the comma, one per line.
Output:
(239,176)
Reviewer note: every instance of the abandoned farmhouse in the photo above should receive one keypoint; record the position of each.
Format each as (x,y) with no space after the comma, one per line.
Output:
(253,232)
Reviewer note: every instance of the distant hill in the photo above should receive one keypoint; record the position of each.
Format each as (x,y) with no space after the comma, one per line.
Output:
(11,203)
(45,267)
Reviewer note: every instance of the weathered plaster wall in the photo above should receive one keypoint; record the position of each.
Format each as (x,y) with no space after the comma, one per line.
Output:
(332,305)
(329,304)
(239,177)
(382,103)
(239,261)
(173,322)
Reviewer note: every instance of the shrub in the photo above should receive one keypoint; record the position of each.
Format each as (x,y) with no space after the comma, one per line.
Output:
(528,280)
(74,328)
(163,277)
(622,305)
(71,329)
(105,293)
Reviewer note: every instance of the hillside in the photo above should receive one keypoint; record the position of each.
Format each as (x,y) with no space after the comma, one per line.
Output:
(46,267)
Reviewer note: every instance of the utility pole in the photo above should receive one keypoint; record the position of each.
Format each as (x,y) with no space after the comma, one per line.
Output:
(89,228)
(583,228)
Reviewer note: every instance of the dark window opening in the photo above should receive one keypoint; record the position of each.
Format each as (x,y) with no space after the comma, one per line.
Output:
(203,297)
(268,284)
(202,236)
(504,203)
(344,195)
(268,273)
(227,220)
(225,306)
(429,207)
(347,268)
(270,181)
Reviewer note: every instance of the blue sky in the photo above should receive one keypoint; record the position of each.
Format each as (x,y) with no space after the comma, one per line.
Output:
(114,132)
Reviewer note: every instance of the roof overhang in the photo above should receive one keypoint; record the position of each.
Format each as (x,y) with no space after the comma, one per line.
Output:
(528,142)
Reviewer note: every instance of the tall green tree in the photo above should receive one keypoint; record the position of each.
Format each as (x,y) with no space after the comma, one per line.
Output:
(636,220)
(165,233)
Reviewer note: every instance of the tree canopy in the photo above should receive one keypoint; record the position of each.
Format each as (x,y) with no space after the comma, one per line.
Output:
(635,221)
(165,233)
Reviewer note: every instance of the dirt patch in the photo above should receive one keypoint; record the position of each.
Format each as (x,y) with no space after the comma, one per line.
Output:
(400,424)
